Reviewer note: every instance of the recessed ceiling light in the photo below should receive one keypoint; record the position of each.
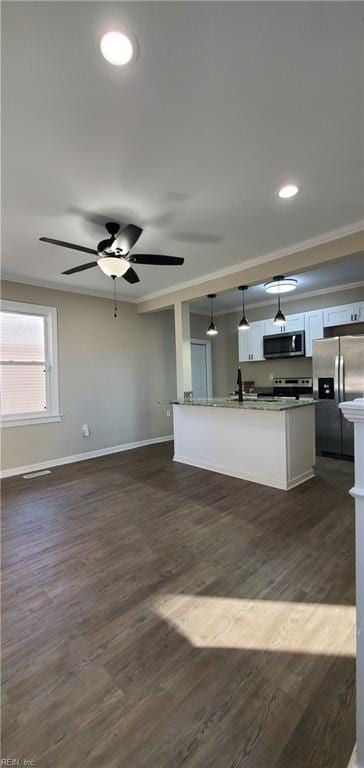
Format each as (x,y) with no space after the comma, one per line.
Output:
(281,284)
(116,48)
(289,191)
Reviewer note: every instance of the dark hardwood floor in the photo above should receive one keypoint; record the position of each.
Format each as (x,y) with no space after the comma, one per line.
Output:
(160,616)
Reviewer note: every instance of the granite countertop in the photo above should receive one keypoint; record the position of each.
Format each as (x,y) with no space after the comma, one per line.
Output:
(249,403)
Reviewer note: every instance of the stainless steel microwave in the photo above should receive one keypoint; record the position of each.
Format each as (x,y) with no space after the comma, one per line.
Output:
(284,344)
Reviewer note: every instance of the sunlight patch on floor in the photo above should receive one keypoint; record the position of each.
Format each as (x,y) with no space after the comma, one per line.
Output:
(263,625)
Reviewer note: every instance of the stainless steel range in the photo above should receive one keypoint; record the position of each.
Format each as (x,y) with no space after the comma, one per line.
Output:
(293,388)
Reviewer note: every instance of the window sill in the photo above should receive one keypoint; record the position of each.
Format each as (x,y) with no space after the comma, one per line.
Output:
(22,421)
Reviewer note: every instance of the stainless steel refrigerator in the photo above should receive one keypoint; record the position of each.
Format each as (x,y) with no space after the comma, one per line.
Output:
(338,375)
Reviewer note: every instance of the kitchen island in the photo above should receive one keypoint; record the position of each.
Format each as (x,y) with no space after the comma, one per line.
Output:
(265,441)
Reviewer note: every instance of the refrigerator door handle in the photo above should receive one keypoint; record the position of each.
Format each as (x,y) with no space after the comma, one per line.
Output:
(341,378)
(337,379)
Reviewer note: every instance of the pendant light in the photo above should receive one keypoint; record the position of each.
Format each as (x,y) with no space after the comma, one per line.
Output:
(212,330)
(279,317)
(244,324)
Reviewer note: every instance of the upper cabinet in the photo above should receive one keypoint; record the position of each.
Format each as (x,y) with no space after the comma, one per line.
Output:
(270,328)
(256,340)
(346,313)
(314,328)
(251,342)
(243,339)
(294,323)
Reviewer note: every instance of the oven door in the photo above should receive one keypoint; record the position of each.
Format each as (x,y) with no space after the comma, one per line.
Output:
(284,345)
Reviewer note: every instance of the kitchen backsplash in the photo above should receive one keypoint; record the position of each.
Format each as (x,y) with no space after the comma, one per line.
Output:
(259,372)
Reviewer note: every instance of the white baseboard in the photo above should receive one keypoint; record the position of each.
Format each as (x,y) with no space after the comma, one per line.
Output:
(273,483)
(82,456)
(226,471)
(300,479)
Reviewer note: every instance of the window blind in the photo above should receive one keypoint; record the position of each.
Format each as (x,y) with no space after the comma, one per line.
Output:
(22,363)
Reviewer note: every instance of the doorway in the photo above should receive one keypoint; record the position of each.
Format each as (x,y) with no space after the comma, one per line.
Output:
(201,367)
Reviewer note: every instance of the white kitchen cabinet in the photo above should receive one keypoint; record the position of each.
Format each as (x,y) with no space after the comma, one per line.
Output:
(314,328)
(270,328)
(294,323)
(256,333)
(358,309)
(243,337)
(251,342)
(340,315)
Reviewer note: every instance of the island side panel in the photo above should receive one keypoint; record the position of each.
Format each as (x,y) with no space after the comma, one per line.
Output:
(248,444)
(301,450)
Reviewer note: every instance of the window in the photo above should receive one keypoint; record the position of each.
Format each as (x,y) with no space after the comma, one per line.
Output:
(28,364)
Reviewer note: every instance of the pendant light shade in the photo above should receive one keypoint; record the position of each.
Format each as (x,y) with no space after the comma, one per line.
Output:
(244,324)
(212,330)
(279,318)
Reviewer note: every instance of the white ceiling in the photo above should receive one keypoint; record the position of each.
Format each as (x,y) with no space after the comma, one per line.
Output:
(337,276)
(226,103)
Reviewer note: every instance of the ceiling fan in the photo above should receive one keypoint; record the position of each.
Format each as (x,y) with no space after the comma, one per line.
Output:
(113,253)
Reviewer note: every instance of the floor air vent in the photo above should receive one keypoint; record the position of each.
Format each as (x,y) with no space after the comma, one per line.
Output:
(37,474)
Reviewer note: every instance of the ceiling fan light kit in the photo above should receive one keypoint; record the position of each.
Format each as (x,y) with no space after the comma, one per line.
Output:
(113,266)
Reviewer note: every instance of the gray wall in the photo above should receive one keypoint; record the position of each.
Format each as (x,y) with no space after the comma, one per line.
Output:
(112,374)
(225,345)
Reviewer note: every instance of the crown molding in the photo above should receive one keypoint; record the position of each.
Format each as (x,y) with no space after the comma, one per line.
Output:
(65,289)
(335,234)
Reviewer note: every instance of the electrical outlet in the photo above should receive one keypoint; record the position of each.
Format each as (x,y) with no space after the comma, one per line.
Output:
(86,430)
(168,412)
(270,376)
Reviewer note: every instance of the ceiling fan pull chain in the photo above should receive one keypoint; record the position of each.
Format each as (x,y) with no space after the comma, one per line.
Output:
(115,303)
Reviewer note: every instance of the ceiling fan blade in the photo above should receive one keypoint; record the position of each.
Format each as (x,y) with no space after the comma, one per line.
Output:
(149,258)
(68,245)
(128,237)
(130,276)
(80,268)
